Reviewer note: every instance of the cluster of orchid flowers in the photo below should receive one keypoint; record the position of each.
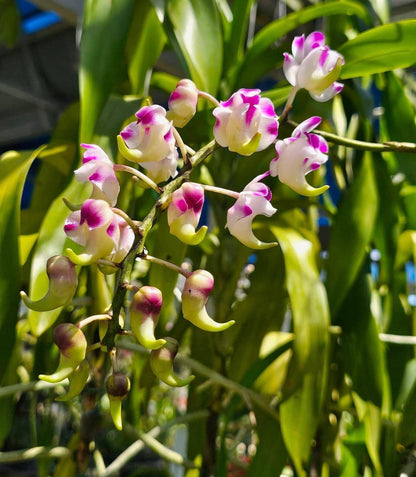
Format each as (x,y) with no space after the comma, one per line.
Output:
(245,123)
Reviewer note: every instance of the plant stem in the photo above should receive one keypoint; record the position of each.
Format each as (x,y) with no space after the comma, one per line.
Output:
(209,97)
(221,190)
(139,174)
(34,453)
(181,145)
(166,264)
(35,386)
(288,105)
(92,318)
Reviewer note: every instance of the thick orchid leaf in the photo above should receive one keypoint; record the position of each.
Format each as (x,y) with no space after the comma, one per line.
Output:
(384,48)
(196,31)
(145,42)
(14,167)
(277,29)
(164,81)
(398,124)
(307,373)
(362,352)
(105,28)
(236,44)
(352,231)
(278,95)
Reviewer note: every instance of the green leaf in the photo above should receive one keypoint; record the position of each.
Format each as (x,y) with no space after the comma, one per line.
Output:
(362,352)
(104,32)
(384,48)
(399,123)
(351,231)
(275,30)
(278,95)
(164,81)
(308,369)
(14,167)
(145,42)
(196,32)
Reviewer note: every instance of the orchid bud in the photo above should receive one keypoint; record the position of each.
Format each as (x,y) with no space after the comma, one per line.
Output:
(150,138)
(298,155)
(161,362)
(182,103)
(63,283)
(246,123)
(117,387)
(144,315)
(252,201)
(72,346)
(195,295)
(184,212)
(98,169)
(314,66)
(77,380)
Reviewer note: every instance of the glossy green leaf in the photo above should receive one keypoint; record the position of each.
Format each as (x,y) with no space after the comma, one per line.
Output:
(278,95)
(145,42)
(9,23)
(196,30)
(104,32)
(384,48)
(399,122)
(275,30)
(308,370)
(164,81)
(351,231)
(14,167)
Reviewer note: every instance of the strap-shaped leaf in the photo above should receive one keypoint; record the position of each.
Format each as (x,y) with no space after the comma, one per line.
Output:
(380,49)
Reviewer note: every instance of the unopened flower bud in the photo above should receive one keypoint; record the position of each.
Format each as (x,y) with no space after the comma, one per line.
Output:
(63,283)
(77,380)
(195,295)
(182,103)
(72,346)
(184,212)
(161,362)
(144,315)
(117,387)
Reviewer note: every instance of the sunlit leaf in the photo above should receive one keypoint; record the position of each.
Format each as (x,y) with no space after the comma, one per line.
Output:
(384,48)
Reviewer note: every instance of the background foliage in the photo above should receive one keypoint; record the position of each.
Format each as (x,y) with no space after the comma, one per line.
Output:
(309,379)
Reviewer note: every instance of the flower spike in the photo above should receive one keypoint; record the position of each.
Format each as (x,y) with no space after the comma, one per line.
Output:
(72,346)
(161,362)
(195,294)
(63,283)
(144,315)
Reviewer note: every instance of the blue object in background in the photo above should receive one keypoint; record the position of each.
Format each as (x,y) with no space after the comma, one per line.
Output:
(33,19)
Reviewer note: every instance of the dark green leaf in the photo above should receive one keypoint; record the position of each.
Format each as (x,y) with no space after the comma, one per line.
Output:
(384,48)
(105,27)
(351,233)
(197,32)
(9,23)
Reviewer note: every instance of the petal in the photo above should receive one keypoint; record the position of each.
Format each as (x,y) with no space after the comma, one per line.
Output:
(298,45)
(290,69)
(306,126)
(328,93)
(314,40)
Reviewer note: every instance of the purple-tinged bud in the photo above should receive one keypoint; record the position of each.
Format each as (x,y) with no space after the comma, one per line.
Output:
(63,283)
(246,123)
(144,315)
(161,362)
(184,212)
(182,103)
(195,295)
(117,387)
(77,380)
(72,346)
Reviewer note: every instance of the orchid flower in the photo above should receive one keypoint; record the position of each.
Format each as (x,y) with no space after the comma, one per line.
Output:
(98,169)
(313,66)
(252,201)
(182,103)
(161,171)
(298,155)
(245,123)
(184,212)
(150,138)
(99,231)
